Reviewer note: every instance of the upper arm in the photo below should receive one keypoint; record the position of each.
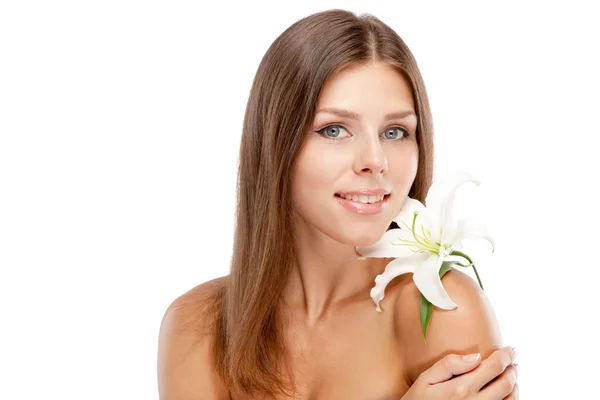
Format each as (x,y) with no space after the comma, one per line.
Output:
(472,327)
(185,362)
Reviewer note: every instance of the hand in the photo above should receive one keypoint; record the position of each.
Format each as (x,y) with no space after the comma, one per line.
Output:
(494,379)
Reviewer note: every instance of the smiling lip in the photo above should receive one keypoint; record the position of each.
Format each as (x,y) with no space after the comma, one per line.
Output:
(366,192)
(363,208)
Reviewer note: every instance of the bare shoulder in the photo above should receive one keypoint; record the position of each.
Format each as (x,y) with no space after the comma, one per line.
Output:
(470,328)
(186,338)
(196,300)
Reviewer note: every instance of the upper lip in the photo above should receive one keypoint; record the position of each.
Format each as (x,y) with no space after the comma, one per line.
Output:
(366,192)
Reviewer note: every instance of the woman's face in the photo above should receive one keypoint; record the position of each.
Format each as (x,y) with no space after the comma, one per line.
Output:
(345,154)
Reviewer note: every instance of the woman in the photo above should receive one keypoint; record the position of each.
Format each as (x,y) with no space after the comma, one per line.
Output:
(337,109)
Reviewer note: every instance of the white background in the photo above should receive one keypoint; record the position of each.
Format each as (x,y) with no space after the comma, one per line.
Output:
(119,130)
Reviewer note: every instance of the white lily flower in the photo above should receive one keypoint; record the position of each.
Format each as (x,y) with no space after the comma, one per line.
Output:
(426,238)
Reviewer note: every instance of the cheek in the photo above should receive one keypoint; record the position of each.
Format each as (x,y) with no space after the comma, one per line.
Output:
(315,179)
(319,167)
(311,187)
(405,163)
(402,172)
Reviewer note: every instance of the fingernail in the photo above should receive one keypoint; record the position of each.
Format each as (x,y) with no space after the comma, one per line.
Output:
(471,357)
(515,352)
(517,367)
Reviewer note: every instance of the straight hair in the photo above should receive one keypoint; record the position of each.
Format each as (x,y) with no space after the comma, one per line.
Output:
(249,352)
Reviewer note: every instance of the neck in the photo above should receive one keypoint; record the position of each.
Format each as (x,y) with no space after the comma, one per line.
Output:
(327,274)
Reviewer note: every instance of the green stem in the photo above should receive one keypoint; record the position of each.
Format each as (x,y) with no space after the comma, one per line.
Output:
(476,274)
(461,254)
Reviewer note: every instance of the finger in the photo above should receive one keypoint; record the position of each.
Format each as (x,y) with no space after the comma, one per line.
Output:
(514,395)
(494,366)
(447,367)
(502,386)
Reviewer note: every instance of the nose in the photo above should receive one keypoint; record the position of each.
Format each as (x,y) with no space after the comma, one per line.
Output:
(370,158)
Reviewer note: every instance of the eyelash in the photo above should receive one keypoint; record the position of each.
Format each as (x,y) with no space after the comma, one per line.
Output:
(320,132)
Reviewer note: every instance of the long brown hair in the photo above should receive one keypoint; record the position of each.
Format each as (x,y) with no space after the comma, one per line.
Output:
(249,350)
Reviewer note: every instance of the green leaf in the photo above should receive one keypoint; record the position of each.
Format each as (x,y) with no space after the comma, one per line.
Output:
(426,310)
(446,266)
(426,306)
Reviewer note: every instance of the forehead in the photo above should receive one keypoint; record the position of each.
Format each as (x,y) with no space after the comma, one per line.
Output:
(371,87)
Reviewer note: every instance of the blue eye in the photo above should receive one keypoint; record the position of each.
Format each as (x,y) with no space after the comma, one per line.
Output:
(331,131)
(404,134)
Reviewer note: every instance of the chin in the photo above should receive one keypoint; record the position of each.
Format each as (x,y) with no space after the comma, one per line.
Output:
(366,237)
(366,241)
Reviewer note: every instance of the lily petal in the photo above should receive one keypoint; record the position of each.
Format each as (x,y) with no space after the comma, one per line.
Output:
(405,217)
(387,246)
(440,202)
(427,279)
(395,268)
(469,229)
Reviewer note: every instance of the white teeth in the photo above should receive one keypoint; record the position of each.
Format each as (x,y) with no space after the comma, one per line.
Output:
(363,198)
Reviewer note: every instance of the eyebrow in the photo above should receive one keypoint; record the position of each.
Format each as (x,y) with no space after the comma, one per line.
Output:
(352,115)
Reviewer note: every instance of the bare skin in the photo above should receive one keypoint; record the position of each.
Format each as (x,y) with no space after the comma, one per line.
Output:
(341,347)
(354,352)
